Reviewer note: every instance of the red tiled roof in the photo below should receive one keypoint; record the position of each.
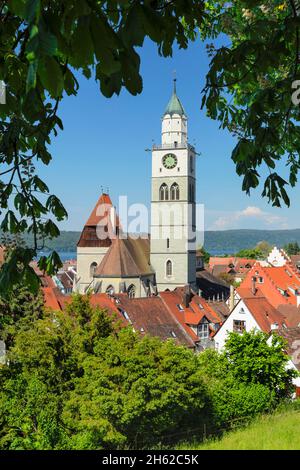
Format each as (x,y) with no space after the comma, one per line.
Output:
(276,282)
(193,314)
(50,298)
(99,226)
(57,301)
(149,315)
(126,257)
(100,210)
(264,313)
(291,314)
(246,292)
(220,260)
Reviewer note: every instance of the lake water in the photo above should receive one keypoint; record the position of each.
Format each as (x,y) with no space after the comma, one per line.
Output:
(64,255)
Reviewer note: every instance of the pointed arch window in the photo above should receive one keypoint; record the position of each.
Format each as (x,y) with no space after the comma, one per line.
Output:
(164,192)
(93,268)
(169,268)
(174,192)
(131,291)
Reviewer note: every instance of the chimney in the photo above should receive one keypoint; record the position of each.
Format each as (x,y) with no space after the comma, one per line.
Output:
(253,286)
(200,293)
(231,298)
(187,296)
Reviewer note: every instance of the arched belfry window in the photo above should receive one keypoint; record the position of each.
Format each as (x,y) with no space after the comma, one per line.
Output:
(174,192)
(164,192)
(93,268)
(131,291)
(169,268)
(191,164)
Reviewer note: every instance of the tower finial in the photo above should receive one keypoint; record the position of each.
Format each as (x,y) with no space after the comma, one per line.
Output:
(174,80)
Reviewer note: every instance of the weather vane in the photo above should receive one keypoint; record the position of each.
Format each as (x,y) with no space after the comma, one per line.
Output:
(174,80)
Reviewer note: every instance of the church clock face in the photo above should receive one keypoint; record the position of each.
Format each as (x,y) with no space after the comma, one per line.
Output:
(169,161)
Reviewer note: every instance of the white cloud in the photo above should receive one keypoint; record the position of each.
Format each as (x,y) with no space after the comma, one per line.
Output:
(251,211)
(250,214)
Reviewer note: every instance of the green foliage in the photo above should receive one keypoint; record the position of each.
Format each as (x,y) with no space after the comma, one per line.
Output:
(17,310)
(292,248)
(74,380)
(44,46)
(205,254)
(253,361)
(77,380)
(264,248)
(144,390)
(249,88)
(253,253)
(277,431)
(231,398)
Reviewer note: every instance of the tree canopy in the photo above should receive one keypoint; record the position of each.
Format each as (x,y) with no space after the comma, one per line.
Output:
(292,248)
(44,45)
(79,380)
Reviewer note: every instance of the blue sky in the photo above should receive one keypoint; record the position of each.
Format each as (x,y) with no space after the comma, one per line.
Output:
(104,142)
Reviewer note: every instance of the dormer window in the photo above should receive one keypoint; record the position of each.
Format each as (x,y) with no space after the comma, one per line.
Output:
(283,292)
(203,331)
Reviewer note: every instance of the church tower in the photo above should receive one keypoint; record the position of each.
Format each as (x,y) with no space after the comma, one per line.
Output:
(173,208)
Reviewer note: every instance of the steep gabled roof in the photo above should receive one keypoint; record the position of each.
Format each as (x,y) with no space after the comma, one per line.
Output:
(99,226)
(150,316)
(264,313)
(197,310)
(126,257)
(100,210)
(279,284)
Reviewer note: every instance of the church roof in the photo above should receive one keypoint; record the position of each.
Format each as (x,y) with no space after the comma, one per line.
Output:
(98,214)
(99,222)
(126,258)
(174,106)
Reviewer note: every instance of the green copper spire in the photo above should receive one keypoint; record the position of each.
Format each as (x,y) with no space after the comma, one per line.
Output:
(174,105)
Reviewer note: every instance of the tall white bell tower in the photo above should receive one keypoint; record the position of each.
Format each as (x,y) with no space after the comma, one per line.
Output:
(173,207)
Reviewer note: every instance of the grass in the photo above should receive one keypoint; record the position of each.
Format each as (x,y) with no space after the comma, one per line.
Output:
(275,432)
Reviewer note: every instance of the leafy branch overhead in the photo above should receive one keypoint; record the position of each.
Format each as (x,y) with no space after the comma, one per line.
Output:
(43,45)
(249,89)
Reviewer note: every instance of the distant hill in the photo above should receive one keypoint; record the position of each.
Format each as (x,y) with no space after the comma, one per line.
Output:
(215,242)
(66,242)
(231,241)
